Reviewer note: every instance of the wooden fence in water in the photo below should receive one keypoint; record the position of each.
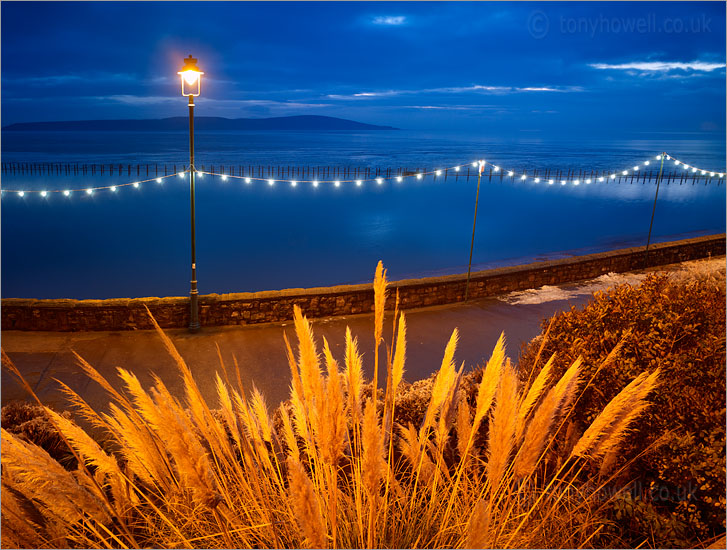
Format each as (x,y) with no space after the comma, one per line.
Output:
(326,173)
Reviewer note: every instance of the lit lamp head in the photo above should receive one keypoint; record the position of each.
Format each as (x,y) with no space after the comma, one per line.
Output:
(191,77)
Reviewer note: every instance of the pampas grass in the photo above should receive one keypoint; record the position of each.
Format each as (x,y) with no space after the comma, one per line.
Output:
(327,469)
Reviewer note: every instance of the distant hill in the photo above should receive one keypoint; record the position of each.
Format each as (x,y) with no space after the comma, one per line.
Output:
(302,122)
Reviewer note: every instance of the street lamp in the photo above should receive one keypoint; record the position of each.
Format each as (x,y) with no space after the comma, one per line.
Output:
(191,78)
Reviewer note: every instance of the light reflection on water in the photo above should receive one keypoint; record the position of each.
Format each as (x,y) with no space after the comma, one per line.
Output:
(136,243)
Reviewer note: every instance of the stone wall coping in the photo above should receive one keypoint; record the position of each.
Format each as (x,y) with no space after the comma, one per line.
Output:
(68,303)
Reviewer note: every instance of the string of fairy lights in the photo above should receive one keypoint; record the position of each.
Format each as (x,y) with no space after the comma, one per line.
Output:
(481,165)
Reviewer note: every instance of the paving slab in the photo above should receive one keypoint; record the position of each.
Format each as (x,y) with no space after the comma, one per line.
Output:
(43,357)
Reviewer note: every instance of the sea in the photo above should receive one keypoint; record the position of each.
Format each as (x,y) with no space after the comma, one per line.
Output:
(254,237)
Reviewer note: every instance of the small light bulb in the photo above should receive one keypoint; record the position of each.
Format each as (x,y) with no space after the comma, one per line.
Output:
(359,183)
(668,157)
(379,181)
(438,172)
(43,193)
(315,183)
(576,182)
(337,183)
(271,182)
(399,179)
(694,169)
(224,178)
(419,176)
(496,168)
(537,180)
(685,166)
(562,182)
(181,174)
(711,174)
(636,167)
(624,173)
(21,193)
(600,179)
(113,188)
(588,181)
(676,162)
(456,168)
(613,176)
(658,157)
(703,172)
(89,191)
(159,180)
(509,174)
(721,175)
(551,182)
(647,163)
(67,193)
(247,180)
(474,164)
(293,183)
(523,177)
(136,184)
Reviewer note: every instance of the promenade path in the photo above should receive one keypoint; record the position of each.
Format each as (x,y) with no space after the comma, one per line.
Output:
(43,357)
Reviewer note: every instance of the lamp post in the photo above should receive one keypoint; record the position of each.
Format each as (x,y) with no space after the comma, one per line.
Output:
(191,78)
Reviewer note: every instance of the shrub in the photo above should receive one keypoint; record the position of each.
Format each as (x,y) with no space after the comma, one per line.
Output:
(325,474)
(675,323)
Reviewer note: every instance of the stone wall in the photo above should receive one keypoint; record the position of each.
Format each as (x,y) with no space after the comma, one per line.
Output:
(272,306)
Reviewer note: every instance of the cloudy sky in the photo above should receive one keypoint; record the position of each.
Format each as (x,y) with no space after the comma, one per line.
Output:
(580,68)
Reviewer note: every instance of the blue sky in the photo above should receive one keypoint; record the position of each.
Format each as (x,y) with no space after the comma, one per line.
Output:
(515,68)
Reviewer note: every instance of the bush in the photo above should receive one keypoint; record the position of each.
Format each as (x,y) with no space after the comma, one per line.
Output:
(675,323)
(336,470)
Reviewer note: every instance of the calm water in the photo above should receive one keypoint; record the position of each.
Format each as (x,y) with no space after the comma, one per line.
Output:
(249,238)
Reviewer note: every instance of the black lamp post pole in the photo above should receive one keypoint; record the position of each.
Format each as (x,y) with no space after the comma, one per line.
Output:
(193,294)
(651,223)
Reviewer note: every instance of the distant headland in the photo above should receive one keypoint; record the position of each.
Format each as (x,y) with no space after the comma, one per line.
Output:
(285,123)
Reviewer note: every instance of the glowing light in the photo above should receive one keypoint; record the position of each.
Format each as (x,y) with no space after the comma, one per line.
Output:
(224,178)
(379,181)
(625,172)
(113,188)
(721,175)
(600,179)
(647,163)
(588,181)
(359,183)
(337,183)
(293,183)
(523,177)
(636,167)
(315,183)
(190,77)
(199,174)
(474,164)
(419,176)
(510,174)
(438,172)
(181,174)
(271,182)
(89,191)
(613,176)
(551,182)
(247,180)
(576,182)
(496,169)
(537,180)
(711,174)
(136,184)
(399,179)
(562,182)
(703,172)
(694,169)
(676,162)
(456,168)
(21,193)
(44,193)
(685,166)
(159,180)
(67,193)
(658,157)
